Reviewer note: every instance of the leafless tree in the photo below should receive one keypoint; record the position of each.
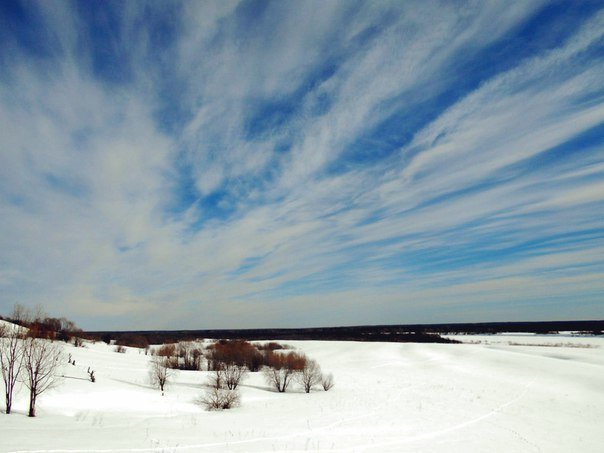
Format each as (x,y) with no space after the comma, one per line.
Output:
(310,375)
(41,360)
(21,315)
(11,360)
(217,379)
(327,381)
(39,314)
(160,372)
(191,357)
(282,369)
(227,375)
(233,374)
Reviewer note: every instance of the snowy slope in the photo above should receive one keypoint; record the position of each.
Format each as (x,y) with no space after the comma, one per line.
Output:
(9,325)
(388,397)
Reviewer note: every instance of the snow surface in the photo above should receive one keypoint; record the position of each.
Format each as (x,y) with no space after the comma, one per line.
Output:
(388,397)
(9,326)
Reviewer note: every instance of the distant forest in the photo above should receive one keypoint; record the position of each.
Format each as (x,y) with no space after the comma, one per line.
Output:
(417,333)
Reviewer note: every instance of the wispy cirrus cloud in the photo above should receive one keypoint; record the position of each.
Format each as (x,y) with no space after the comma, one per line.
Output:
(234,164)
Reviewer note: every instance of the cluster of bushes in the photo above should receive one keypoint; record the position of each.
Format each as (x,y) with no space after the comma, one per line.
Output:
(190,356)
(237,352)
(228,357)
(280,372)
(230,361)
(181,356)
(283,369)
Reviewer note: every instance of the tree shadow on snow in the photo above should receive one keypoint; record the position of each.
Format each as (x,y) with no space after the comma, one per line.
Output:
(264,388)
(135,384)
(193,385)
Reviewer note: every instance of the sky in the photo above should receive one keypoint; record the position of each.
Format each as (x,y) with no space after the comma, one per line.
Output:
(233,164)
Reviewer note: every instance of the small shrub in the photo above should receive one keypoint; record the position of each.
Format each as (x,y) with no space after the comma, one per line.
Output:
(327,381)
(121,349)
(172,363)
(220,399)
(166,350)
(271,346)
(160,372)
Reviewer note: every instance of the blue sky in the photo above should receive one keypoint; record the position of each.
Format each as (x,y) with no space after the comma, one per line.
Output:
(302,163)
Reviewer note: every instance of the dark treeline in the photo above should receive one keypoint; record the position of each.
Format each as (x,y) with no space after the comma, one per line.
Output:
(417,333)
(324,333)
(537,327)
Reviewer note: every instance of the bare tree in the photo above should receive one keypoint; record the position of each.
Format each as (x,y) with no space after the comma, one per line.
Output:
(217,379)
(39,314)
(233,374)
(310,375)
(21,314)
(41,360)
(11,360)
(160,372)
(191,357)
(282,368)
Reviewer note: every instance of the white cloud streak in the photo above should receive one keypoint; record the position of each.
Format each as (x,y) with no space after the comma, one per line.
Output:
(454,226)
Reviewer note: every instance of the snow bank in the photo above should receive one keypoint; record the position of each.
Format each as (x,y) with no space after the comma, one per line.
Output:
(9,325)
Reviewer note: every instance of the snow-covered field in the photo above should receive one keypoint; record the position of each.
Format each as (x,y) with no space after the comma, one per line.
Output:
(387,397)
